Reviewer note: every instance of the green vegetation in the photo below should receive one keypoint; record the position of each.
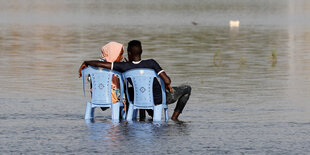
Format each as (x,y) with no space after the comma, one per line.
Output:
(217,58)
(242,60)
(274,57)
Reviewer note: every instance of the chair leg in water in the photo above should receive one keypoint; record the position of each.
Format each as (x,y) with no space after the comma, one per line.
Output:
(130,112)
(166,114)
(89,111)
(115,111)
(157,113)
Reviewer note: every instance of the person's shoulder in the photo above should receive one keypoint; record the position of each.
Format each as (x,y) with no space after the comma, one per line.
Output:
(153,63)
(121,62)
(150,60)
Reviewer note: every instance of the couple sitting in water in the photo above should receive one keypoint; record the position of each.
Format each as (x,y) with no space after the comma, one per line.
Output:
(112,54)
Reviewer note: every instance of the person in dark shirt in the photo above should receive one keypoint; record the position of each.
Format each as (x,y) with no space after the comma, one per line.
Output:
(180,94)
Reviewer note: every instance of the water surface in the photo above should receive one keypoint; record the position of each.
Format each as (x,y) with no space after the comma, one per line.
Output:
(242,102)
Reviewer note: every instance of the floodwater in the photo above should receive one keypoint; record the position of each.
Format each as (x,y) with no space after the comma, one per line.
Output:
(244,100)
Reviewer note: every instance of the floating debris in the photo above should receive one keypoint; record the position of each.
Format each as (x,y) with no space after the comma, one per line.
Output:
(234,23)
(194,23)
(242,60)
(274,57)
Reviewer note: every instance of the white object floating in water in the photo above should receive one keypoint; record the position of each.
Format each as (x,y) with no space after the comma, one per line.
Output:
(234,23)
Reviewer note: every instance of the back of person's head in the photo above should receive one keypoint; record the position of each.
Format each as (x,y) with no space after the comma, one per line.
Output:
(135,48)
(112,52)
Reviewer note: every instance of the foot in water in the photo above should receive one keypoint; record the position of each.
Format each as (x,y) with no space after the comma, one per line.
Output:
(175,117)
(177,121)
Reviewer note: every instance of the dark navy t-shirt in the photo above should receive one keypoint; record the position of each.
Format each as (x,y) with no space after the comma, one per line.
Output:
(151,64)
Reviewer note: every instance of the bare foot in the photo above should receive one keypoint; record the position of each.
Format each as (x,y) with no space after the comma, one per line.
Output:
(175,116)
(176,120)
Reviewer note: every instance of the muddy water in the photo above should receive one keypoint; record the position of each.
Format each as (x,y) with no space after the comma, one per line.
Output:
(244,100)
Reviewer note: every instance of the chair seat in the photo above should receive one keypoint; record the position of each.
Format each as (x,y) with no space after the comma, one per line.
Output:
(144,107)
(100,103)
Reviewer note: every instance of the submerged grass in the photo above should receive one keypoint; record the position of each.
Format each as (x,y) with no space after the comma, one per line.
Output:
(274,57)
(217,58)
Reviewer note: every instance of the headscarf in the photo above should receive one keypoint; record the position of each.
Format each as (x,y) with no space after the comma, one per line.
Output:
(111,51)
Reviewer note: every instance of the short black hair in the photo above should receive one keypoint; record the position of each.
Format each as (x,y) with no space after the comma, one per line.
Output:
(135,47)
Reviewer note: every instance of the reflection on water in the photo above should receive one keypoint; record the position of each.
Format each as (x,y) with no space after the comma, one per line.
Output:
(144,137)
(242,101)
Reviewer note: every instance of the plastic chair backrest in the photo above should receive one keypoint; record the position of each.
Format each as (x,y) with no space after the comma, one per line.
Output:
(101,84)
(142,81)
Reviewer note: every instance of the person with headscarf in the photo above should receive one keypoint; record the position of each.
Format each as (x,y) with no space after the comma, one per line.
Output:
(113,52)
